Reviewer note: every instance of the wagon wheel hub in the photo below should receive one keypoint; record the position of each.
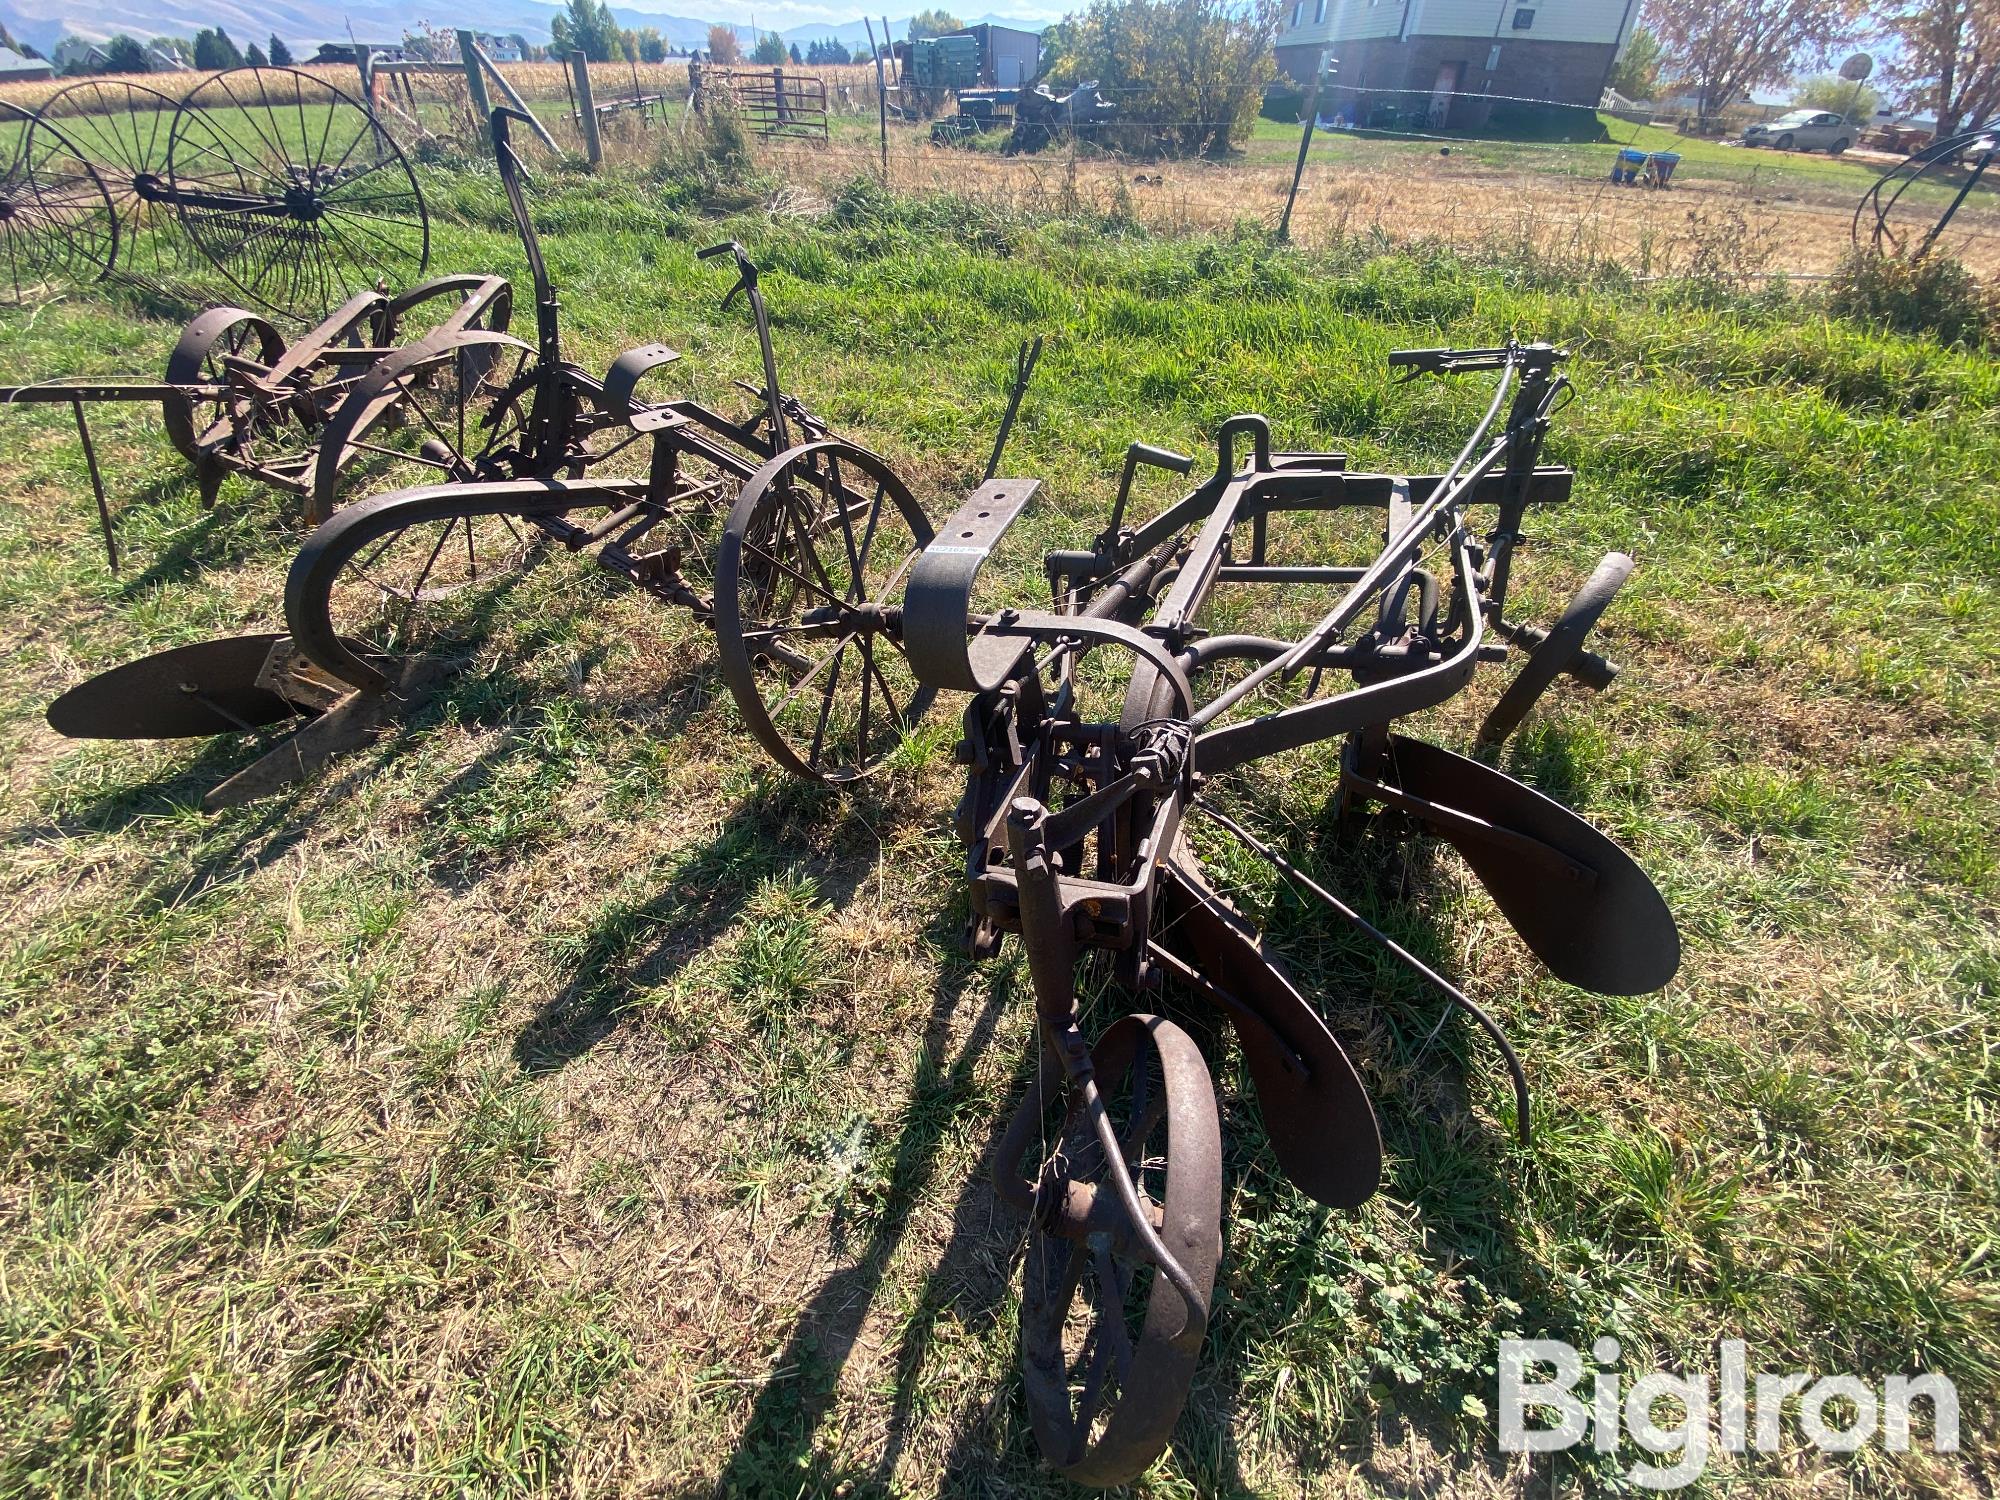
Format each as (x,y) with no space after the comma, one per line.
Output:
(303,204)
(863,618)
(6,209)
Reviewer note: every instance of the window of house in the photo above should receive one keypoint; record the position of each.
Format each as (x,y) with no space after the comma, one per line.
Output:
(1524,18)
(1298,14)
(1319,12)
(1492,58)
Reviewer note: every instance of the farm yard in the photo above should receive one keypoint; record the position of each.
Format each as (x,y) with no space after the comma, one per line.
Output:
(555,1098)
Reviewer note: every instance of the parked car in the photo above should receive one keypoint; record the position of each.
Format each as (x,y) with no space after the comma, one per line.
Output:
(1805,130)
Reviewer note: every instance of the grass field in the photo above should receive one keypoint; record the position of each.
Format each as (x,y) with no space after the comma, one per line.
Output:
(555,1100)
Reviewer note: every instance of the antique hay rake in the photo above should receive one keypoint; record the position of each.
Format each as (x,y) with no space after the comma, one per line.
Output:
(288,187)
(1077,831)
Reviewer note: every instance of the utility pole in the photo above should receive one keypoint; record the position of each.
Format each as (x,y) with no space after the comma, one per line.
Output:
(1310,109)
(881,94)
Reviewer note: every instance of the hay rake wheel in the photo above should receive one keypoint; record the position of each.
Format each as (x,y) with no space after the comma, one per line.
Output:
(293,191)
(57,220)
(1885,224)
(122,128)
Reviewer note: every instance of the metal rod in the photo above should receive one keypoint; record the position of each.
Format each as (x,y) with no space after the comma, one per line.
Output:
(96,484)
(1310,111)
(1437,981)
(1024,371)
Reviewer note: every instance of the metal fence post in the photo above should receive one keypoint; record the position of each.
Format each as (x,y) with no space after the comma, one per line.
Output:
(586,109)
(881,96)
(1310,111)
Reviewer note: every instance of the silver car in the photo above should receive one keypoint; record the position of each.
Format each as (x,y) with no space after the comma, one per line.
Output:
(1804,130)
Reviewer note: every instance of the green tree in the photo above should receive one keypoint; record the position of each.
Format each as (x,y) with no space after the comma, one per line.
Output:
(722,46)
(797,56)
(213,51)
(256,58)
(1636,74)
(770,50)
(1191,72)
(281,55)
(124,54)
(1832,92)
(933,23)
(588,26)
(652,46)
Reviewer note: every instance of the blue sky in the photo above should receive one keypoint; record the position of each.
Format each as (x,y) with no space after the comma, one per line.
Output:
(782,15)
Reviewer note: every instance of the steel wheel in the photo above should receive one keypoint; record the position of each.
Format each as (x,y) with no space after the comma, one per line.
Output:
(401,575)
(57,222)
(122,128)
(292,190)
(205,354)
(808,609)
(1107,1349)
(416,313)
(450,408)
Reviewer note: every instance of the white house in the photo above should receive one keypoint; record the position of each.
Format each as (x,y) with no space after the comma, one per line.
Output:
(1439,60)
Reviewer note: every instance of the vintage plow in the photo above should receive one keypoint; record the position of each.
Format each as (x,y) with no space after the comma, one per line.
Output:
(287,186)
(811,539)
(237,398)
(1077,824)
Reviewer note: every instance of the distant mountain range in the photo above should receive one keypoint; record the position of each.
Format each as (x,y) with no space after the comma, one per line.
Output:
(42,23)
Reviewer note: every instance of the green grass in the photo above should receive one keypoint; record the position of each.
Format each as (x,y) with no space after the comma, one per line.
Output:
(555,1099)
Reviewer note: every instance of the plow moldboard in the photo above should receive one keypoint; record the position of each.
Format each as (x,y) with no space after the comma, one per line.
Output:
(1614,936)
(190,690)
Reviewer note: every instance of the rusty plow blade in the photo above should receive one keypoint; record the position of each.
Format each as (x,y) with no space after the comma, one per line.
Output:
(213,687)
(1576,899)
(1316,1113)
(240,684)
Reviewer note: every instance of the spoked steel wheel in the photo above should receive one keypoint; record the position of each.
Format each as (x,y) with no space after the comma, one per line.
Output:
(292,190)
(402,575)
(206,354)
(122,129)
(57,222)
(1108,1342)
(808,609)
(449,408)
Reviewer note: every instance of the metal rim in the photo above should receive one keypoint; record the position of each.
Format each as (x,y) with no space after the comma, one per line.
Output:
(448,408)
(1104,1360)
(808,590)
(122,128)
(292,190)
(391,577)
(57,220)
(1558,649)
(202,356)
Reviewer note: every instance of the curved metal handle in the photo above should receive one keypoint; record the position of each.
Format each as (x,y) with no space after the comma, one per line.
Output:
(1225,443)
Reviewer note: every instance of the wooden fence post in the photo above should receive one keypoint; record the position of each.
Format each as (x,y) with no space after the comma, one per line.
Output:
(475,83)
(586,109)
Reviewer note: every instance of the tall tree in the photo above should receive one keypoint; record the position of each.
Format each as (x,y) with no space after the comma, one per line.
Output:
(1722,49)
(1946,59)
(933,23)
(281,55)
(770,50)
(124,54)
(589,27)
(652,46)
(213,51)
(1191,71)
(722,46)
(255,57)
(1637,72)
